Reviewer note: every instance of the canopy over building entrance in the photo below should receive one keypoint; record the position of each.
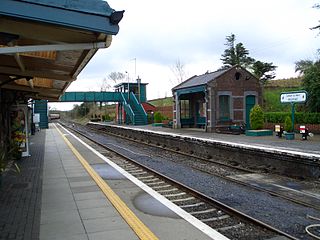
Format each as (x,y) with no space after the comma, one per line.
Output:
(44,44)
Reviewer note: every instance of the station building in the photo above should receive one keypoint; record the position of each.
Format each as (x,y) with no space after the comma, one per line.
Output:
(216,99)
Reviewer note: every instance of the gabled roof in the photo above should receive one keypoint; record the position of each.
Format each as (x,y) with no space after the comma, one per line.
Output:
(199,80)
(45,44)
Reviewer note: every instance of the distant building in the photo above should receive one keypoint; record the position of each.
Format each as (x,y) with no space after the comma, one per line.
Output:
(216,99)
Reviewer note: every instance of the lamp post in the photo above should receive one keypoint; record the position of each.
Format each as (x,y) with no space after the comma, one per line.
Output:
(128,85)
(139,82)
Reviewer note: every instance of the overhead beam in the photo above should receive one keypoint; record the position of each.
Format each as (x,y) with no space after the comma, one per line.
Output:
(40,74)
(54,47)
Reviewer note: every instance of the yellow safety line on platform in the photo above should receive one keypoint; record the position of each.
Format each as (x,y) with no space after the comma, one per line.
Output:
(142,231)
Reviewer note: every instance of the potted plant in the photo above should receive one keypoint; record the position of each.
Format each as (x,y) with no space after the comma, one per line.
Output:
(289,134)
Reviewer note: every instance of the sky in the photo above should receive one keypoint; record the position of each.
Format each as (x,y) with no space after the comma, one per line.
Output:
(154,35)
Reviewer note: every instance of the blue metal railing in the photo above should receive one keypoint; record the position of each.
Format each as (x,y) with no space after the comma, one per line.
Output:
(128,109)
(138,106)
(91,97)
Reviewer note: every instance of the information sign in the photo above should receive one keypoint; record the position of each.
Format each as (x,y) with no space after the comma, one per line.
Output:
(293,97)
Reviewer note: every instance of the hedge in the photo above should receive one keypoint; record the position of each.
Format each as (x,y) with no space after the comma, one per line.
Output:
(299,117)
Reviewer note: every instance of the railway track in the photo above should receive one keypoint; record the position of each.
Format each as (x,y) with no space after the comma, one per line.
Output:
(226,171)
(227,220)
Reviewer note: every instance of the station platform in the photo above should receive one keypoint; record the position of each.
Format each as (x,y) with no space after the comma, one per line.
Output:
(309,146)
(61,193)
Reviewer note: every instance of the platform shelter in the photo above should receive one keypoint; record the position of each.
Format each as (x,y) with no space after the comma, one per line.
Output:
(44,45)
(216,99)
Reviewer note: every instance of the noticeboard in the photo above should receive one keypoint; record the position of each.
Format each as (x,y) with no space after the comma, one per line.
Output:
(293,97)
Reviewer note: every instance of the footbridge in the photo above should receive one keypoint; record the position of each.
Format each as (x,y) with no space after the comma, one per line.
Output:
(134,111)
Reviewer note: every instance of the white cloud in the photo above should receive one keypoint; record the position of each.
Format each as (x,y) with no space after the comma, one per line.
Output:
(157,33)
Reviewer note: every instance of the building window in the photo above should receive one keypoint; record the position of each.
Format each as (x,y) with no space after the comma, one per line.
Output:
(185,108)
(224,107)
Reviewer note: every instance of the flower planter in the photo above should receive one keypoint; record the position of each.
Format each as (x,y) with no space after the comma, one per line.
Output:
(289,135)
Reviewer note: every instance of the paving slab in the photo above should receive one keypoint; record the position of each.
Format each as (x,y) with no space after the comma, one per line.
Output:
(89,195)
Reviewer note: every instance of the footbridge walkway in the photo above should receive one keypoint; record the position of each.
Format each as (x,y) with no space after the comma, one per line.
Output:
(134,111)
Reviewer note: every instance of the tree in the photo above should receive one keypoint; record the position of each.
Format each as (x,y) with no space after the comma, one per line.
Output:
(113,76)
(263,71)
(235,54)
(310,70)
(318,26)
(311,82)
(303,65)
(179,72)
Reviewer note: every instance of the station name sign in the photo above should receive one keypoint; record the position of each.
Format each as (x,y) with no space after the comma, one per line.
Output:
(293,97)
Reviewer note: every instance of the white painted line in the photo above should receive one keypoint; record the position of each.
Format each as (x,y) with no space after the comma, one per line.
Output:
(179,211)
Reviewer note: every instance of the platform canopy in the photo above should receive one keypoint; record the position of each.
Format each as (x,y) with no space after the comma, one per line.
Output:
(44,44)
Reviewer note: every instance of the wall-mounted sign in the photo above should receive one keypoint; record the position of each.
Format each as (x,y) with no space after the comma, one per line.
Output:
(293,97)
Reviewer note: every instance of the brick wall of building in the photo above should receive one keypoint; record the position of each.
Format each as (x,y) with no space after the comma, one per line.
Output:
(166,111)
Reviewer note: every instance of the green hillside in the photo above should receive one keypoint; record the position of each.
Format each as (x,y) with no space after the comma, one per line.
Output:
(272,92)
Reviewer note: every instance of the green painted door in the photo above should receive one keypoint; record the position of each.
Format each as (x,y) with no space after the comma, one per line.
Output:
(250,102)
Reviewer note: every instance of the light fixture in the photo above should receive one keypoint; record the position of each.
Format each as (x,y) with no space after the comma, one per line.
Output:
(116,17)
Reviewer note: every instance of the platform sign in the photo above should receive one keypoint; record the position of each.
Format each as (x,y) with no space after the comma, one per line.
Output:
(293,97)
